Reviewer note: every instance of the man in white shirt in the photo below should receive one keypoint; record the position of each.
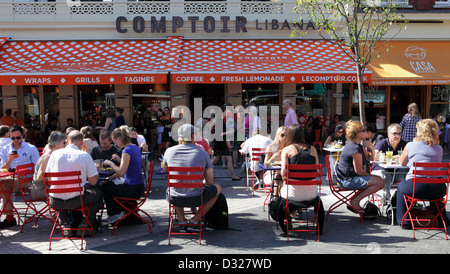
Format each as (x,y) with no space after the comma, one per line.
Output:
(256,141)
(4,136)
(72,158)
(291,116)
(16,153)
(142,143)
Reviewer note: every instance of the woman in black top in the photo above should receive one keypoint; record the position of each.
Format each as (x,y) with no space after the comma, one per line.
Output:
(352,169)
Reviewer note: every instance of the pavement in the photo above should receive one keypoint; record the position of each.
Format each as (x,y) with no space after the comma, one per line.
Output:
(253,231)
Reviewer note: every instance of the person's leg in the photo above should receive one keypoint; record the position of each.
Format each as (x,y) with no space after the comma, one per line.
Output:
(230,167)
(374,184)
(208,205)
(404,187)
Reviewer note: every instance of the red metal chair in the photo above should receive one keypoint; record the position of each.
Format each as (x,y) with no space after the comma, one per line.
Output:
(305,175)
(132,206)
(68,182)
(195,177)
(428,173)
(25,176)
(255,156)
(317,139)
(343,195)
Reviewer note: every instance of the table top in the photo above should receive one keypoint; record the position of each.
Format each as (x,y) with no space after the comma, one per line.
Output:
(392,165)
(333,149)
(6,173)
(264,167)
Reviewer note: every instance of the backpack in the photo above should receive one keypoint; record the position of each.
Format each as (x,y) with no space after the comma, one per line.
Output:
(217,216)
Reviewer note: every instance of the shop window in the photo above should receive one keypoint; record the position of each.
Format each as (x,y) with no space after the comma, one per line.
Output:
(261,94)
(440,102)
(313,100)
(375,111)
(93,103)
(148,102)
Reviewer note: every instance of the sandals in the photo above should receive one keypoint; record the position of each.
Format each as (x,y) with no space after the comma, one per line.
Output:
(361,211)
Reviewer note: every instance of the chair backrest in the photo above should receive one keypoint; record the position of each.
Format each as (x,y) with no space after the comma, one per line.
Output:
(431,173)
(149,180)
(255,155)
(25,173)
(304,174)
(67,182)
(194,174)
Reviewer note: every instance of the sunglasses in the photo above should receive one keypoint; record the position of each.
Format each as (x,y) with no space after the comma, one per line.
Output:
(340,131)
(16,138)
(396,133)
(283,135)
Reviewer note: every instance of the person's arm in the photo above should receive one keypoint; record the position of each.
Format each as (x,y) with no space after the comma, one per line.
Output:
(403,158)
(284,161)
(327,141)
(209,176)
(119,170)
(358,164)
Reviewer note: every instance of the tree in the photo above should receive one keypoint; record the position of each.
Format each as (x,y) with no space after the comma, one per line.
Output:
(356,27)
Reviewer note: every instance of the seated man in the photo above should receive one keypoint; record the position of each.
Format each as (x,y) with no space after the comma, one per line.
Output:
(72,158)
(18,152)
(256,141)
(106,150)
(138,140)
(393,143)
(187,154)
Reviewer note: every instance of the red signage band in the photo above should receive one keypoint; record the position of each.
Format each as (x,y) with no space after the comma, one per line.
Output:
(191,78)
(106,79)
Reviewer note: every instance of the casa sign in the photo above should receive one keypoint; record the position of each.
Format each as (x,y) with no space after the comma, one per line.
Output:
(208,24)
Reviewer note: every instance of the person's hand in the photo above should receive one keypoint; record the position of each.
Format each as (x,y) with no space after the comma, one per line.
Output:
(107,163)
(115,157)
(12,156)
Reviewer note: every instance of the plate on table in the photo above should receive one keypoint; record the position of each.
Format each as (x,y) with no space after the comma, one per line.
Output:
(4,170)
(276,163)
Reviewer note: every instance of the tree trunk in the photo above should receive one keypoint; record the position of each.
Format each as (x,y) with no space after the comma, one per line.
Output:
(362,112)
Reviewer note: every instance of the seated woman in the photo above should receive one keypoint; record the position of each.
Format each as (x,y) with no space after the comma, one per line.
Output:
(350,171)
(424,148)
(56,140)
(273,154)
(130,169)
(338,135)
(298,152)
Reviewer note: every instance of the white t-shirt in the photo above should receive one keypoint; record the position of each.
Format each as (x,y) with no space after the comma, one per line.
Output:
(71,158)
(257,141)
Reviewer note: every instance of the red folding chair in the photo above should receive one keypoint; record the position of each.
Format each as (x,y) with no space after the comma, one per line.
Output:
(304,175)
(194,176)
(68,182)
(255,156)
(428,173)
(25,176)
(343,195)
(132,206)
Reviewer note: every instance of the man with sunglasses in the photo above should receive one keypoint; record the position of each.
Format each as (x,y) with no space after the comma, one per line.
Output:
(12,155)
(393,143)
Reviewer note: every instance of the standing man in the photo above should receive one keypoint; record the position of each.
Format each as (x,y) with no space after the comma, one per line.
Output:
(7,119)
(16,153)
(72,158)
(291,117)
(4,136)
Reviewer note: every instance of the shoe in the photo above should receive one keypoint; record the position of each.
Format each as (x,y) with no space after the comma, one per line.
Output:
(6,224)
(235,179)
(114,218)
(191,228)
(183,227)
(68,233)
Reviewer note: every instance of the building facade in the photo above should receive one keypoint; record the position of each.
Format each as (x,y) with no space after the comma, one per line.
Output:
(71,59)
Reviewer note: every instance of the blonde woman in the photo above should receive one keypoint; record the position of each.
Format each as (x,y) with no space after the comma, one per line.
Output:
(352,170)
(424,148)
(409,121)
(273,154)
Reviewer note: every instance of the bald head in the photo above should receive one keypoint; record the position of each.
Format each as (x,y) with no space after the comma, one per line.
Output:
(75,137)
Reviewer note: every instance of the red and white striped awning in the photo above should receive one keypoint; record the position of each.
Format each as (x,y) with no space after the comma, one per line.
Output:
(86,62)
(264,61)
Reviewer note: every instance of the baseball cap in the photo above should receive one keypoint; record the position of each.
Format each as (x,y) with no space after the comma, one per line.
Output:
(186,130)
